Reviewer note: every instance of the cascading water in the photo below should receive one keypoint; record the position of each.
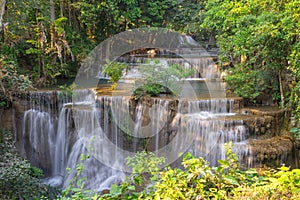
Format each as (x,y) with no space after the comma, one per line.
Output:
(37,142)
(39,130)
(57,139)
(210,124)
(61,143)
(57,131)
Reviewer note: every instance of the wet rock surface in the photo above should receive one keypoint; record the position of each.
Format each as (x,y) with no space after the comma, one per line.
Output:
(273,151)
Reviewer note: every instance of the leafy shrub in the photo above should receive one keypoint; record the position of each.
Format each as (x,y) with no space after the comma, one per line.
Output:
(281,184)
(18,179)
(198,180)
(145,167)
(114,70)
(76,187)
(11,81)
(158,78)
(150,89)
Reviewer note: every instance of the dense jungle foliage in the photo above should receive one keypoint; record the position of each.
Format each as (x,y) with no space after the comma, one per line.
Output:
(18,178)
(43,42)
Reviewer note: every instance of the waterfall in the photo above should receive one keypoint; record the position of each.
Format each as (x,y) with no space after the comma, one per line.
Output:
(58,129)
(37,144)
(61,143)
(38,136)
(210,124)
(110,128)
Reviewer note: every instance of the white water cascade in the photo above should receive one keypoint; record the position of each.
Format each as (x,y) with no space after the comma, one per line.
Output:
(210,124)
(57,140)
(57,131)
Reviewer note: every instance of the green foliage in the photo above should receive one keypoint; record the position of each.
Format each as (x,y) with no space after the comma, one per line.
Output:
(67,91)
(39,42)
(114,70)
(75,189)
(187,16)
(197,180)
(123,191)
(158,78)
(296,132)
(144,165)
(281,184)
(46,52)
(151,89)
(249,89)
(155,13)
(18,179)
(291,26)
(257,37)
(11,81)
(50,48)
(144,162)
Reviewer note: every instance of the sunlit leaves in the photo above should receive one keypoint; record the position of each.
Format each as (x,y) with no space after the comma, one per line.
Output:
(144,162)
(11,82)
(18,179)
(158,77)
(261,31)
(115,71)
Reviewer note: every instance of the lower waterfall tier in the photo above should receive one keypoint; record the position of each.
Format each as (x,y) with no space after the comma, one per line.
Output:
(55,134)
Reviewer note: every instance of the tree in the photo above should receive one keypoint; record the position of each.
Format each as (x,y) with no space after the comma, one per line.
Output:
(160,78)
(251,36)
(187,17)
(291,24)
(114,70)
(11,82)
(2,10)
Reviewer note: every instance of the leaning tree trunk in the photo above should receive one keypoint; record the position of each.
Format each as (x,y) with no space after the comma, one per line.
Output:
(2,10)
(281,88)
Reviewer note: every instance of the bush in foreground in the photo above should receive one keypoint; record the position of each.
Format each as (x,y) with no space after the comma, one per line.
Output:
(18,179)
(198,180)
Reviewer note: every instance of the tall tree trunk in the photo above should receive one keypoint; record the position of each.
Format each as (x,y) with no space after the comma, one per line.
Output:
(52,10)
(281,88)
(2,11)
(52,16)
(61,7)
(39,46)
(52,37)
